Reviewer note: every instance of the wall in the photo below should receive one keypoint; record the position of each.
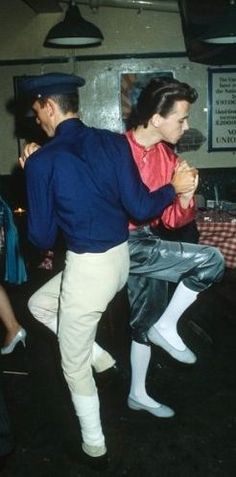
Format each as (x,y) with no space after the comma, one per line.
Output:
(146,42)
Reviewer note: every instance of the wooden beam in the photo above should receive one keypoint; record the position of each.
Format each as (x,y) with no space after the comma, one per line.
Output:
(44,6)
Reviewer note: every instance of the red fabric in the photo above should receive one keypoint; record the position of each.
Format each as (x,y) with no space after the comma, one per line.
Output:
(156,166)
(221,235)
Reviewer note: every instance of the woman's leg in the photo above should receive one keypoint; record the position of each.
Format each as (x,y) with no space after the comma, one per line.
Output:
(7,316)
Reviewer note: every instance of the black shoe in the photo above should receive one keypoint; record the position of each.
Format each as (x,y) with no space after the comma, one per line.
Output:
(77,455)
(108,377)
(96,463)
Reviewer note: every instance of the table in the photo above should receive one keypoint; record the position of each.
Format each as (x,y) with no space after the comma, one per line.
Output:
(219,229)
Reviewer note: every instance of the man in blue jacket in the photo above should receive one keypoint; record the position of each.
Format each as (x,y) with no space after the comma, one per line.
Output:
(84,182)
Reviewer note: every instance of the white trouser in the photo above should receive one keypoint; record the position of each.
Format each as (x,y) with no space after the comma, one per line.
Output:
(89,283)
(44,306)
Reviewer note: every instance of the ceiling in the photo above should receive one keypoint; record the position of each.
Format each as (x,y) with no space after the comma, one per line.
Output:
(44,6)
(49,6)
(196,17)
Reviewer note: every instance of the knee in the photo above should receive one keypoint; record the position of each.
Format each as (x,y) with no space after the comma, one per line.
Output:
(31,304)
(213,265)
(208,268)
(36,303)
(78,375)
(218,263)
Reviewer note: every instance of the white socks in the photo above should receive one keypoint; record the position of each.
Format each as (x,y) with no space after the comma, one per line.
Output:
(140,358)
(87,410)
(167,324)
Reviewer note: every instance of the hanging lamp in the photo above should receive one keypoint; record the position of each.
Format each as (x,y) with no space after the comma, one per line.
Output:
(73,31)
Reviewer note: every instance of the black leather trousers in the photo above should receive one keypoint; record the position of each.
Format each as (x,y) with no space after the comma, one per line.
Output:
(154,263)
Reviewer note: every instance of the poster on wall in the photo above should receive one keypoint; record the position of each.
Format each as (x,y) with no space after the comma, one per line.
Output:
(131,85)
(221,109)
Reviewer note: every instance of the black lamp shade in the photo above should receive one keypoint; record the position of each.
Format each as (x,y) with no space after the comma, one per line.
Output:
(223,31)
(73,31)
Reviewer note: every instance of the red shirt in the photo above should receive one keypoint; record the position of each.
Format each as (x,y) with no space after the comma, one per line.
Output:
(156,167)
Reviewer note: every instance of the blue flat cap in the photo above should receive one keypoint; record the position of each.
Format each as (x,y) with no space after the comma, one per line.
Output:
(49,84)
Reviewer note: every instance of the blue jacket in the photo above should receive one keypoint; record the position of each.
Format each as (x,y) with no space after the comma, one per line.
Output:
(85,182)
(15,271)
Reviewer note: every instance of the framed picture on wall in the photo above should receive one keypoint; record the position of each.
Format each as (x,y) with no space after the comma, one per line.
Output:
(131,85)
(221,109)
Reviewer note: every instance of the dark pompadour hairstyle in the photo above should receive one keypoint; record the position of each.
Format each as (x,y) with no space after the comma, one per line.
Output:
(159,97)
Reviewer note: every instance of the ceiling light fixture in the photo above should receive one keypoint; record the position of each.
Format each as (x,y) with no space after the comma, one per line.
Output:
(73,31)
(223,31)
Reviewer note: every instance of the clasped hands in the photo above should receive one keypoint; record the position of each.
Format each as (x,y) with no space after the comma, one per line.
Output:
(185,179)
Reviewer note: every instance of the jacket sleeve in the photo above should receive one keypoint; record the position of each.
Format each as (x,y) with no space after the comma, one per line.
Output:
(42,227)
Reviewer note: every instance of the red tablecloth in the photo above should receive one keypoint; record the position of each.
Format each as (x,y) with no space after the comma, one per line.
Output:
(219,232)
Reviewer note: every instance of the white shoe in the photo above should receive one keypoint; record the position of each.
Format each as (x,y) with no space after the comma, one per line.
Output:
(185,356)
(158,411)
(20,336)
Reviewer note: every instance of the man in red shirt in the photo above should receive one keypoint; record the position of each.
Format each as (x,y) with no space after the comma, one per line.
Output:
(161,118)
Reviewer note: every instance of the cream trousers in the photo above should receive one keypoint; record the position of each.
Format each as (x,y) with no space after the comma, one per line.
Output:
(44,306)
(89,283)
(81,294)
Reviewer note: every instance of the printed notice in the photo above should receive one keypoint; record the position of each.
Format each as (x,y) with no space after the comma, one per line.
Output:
(222,109)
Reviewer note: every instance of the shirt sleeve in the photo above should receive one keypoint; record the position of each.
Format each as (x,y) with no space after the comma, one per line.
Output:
(176,216)
(42,227)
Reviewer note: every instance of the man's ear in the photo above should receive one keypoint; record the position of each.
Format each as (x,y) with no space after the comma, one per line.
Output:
(50,107)
(156,120)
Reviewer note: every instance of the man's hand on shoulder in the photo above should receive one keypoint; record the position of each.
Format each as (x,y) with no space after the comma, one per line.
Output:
(27,151)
